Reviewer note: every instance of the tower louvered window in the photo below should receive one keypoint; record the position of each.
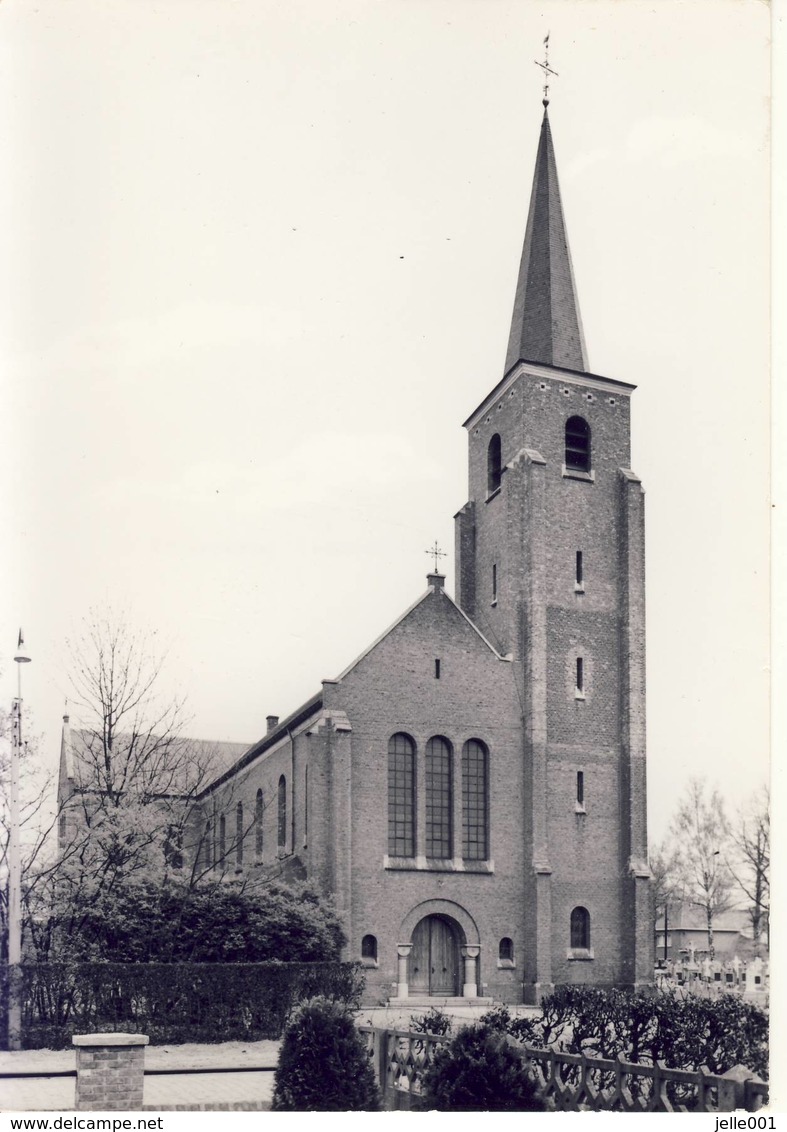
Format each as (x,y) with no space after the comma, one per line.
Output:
(578,444)
(438,798)
(494,466)
(401,796)
(474,801)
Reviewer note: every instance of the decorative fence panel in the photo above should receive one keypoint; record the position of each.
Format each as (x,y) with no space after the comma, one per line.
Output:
(573,1082)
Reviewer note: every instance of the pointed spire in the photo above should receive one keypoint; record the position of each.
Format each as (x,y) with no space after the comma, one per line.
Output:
(546,325)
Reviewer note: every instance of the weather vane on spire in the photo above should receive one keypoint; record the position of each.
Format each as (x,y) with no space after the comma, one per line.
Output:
(545,67)
(437,554)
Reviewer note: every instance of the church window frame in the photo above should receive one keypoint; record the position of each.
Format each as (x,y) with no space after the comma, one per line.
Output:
(239,831)
(494,583)
(578,450)
(579,934)
(369,950)
(475,801)
(505,953)
(401,795)
(222,853)
(438,781)
(259,810)
(494,465)
(281,824)
(579,573)
(579,678)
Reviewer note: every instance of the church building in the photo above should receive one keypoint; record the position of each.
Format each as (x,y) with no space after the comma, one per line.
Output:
(470,791)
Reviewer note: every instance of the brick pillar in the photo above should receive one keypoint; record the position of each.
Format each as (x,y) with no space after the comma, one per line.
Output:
(110,1070)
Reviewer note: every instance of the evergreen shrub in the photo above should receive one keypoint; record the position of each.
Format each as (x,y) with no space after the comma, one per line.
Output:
(323,1063)
(481,1070)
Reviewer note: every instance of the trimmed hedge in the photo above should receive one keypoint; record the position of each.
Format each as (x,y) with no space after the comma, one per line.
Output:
(184,1002)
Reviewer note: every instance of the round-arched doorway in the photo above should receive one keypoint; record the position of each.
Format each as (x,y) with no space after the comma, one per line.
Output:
(435,962)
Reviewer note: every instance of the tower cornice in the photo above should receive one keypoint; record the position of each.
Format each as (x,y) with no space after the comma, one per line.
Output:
(551,373)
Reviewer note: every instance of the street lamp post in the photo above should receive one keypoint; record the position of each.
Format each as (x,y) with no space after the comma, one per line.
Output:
(15,864)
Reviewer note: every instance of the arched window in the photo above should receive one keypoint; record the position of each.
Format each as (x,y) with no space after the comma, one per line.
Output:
(505,951)
(207,845)
(282,824)
(438,798)
(239,836)
(401,796)
(369,947)
(578,444)
(474,801)
(494,466)
(580,929)
(258,811)
(222,840)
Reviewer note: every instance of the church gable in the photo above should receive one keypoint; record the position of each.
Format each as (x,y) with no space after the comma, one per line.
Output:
(433,648)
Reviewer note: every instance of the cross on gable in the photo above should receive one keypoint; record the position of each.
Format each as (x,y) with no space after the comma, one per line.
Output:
(437,554)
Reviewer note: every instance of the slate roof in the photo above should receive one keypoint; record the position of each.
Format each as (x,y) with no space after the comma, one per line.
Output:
(546,325)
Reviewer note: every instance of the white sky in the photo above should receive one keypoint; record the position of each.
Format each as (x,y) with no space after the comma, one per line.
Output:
(262,263)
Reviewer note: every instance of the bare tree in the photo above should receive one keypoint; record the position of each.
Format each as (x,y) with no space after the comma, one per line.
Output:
(700,834)
(751,860)
(132,781)
(665,884)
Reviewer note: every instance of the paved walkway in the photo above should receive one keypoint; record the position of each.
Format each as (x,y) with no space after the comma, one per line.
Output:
(208,1089)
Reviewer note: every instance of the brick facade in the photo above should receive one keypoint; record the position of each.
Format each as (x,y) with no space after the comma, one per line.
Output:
(544,667)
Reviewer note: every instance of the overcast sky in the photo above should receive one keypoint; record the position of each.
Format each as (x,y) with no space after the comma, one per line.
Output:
(263,260)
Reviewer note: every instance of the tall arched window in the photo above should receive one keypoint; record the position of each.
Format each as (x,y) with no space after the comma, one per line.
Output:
(475,836)
(578,444)
(222,840)
(438,797)
(401,796)
(239,836)
(494,465)
(580,929)
(282,823)
(258,811)
(207,845)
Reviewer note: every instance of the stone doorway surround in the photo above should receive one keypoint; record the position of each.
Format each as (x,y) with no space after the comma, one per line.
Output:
(469,948)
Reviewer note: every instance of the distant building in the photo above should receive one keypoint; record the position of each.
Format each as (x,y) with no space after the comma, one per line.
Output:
(471,790)
(687,934)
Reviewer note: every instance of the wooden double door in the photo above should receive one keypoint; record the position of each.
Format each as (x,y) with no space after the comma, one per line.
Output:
(435,959)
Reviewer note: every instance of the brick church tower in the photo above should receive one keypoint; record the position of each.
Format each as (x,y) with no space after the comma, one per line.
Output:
(550,566)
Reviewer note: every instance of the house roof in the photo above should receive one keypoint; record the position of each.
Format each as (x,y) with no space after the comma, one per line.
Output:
(690,917)
(186,762)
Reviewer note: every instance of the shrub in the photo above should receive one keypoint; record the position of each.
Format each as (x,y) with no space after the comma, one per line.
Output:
(685,1031)
(323,1063)
(433,1022)
(183,1002)
(482,1070)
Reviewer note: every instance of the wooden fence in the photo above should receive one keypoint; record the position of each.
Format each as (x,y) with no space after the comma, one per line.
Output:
(573,1082)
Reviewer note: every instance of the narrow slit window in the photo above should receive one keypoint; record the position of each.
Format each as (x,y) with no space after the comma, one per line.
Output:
(580,788)
(282,814)
(494,581)
(259,808)
(579,574)
(437,668)
(580,674)
(222,839)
